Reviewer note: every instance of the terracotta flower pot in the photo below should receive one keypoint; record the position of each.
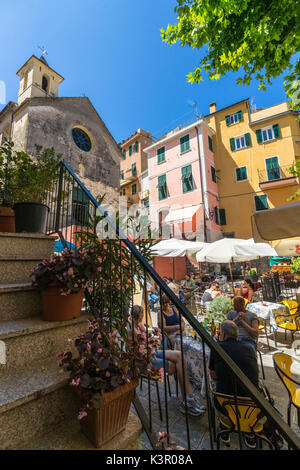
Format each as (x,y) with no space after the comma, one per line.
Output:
(7,220)
(102,424)
(57,307)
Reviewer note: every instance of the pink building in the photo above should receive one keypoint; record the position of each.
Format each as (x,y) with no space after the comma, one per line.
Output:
(183,184)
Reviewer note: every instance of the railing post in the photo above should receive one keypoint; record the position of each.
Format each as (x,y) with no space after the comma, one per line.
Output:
(59,197)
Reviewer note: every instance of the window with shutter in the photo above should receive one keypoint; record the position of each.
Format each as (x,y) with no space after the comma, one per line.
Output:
(213,174)
(227,119)
(122,174)
(130,150)
(133,189)
(241,173)
(222,216)
(234,118)
(162,187)
(240,116)
(124,155)
(273,169)
(187,179)
(210,144)
(276,131)
(133,169)
(259,136)
(248,139)
(185,143)
(232,143)
(216,215)
(136,146)
(261,202)
(161,157)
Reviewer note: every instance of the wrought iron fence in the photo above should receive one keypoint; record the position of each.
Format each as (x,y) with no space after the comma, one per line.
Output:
(72,208)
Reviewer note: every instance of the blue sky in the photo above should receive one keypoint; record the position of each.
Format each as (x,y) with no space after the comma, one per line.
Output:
(112,52)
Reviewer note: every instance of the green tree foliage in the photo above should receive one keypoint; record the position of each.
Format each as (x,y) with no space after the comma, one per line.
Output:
(258,38)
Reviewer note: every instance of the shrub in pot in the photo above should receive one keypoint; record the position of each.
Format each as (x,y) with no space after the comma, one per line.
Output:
(62,279)
(103,376)
(218,309)
(33,179)
(8,162)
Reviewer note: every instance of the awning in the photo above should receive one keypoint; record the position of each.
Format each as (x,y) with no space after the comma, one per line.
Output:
(179,215)
(275,224)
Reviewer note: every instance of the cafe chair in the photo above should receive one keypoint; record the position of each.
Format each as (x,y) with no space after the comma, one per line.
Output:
(155,379)
(292,306)
(262,327)
(288,323)
(282,364)
(240,415)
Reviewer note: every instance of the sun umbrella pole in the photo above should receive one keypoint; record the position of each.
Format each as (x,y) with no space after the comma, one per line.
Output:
(231,277)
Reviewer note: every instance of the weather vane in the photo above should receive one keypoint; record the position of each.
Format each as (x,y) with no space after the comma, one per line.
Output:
(44,51)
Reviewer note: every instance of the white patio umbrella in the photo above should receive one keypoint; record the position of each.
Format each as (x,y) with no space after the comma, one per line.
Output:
(230,250)
(173,247)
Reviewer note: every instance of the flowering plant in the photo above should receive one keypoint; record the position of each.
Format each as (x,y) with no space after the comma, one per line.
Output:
(165,443)
(105,361)
(147,343)
(72,270)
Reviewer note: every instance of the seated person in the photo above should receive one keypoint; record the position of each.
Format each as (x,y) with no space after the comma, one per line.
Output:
(211,293)
(243,355)
(246,290)
(247,322)
(173,363)
(172,285)
(170,320)
(188,285)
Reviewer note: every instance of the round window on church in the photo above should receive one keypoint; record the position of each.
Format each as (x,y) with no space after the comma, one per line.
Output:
(81,139)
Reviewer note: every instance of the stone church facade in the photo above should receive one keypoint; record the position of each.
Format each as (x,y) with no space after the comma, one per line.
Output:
(69,124)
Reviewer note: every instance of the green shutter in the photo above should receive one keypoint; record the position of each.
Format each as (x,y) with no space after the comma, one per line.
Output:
(133,169)
(130,150)
(232,143)
(227,118)
(213,174)
(222,217)
(240,116)
(276,131)
(187,179)
(241,173)
(80,207)
(248,139)
(261,202)
(216,214)
(124,155)
(161,155)
(162,187)
(133,189)
(273,169)
(122,174)
(259,136)
(210,144)
(136,146)
(184,143)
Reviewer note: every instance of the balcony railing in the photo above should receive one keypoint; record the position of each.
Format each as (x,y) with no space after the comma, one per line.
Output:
(275,174)
(106,300)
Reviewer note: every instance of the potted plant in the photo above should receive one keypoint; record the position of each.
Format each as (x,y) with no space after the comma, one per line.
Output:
(218,309)
(7,170)
(33,180)
(253,275)
(103,376)
(62,279)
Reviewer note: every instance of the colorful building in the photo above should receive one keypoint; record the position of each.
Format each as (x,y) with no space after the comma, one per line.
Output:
(183,185)
(254,149)
(133,165)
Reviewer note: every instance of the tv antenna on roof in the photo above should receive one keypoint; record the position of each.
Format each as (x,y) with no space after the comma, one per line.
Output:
(44,51)
(195,106)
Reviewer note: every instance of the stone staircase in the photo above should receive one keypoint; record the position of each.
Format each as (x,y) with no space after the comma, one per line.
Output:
(35,401)
(191,265)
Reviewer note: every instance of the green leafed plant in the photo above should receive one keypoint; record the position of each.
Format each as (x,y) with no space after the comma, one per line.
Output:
(256,38)
(219,308)
(295,266)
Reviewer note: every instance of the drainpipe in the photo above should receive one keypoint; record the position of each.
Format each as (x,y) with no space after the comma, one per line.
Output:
(202,169)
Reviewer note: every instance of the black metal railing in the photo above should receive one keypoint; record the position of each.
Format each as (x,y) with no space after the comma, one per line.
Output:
(71,208)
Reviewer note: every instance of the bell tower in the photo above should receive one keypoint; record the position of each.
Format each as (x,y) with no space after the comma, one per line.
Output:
(38,79)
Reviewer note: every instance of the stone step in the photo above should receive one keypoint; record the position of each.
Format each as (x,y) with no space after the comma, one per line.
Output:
(32,400)
(16,270)
(19,301)
(31,340)
(25,246)
(67,436)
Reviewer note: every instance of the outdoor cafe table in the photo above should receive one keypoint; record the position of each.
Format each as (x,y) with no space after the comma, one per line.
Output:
(193,355)
(267,311)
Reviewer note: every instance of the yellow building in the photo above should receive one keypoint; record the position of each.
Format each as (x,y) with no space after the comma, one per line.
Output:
(133,166)
(254,149)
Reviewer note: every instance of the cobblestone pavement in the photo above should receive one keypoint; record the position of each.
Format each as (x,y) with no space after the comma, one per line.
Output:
(199,429)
